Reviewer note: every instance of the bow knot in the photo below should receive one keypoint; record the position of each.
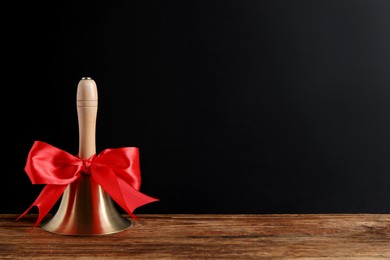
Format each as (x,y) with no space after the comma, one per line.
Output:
(115,170)
(86,166)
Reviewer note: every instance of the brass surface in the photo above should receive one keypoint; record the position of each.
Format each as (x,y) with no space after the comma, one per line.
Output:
(86,209)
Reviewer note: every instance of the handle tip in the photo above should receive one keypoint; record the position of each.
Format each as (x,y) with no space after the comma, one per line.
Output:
(87,90)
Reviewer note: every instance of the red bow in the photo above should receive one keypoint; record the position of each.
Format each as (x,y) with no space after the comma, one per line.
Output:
(116,170)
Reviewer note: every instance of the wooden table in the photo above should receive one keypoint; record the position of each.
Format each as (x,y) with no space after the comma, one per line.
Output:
(204,236)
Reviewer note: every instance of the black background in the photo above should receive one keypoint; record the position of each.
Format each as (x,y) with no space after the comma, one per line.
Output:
(237,106)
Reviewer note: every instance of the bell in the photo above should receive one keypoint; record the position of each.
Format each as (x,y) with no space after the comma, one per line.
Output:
(85,208)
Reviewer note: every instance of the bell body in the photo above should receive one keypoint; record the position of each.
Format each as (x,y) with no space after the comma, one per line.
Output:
(85,208)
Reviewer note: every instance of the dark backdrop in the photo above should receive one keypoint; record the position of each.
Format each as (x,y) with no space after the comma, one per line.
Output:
(237,106)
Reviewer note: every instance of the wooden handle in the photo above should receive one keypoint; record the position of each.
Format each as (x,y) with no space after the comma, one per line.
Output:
(87,103)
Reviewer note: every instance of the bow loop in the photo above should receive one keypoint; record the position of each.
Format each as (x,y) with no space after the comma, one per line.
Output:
(47,164)
(122,160)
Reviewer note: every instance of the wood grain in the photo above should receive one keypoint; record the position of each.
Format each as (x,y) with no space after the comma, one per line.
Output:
(204,236)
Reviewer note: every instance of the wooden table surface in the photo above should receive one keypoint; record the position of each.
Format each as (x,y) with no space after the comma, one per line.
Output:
(205,236)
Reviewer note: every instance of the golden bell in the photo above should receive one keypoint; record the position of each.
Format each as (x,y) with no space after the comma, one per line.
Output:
(85,208)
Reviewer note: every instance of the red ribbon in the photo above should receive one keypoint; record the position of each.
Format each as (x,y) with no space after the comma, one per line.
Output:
(116,170)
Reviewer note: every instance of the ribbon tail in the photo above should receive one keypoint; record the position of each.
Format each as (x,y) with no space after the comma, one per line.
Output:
(132,197)
(121,192)
(45,201)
